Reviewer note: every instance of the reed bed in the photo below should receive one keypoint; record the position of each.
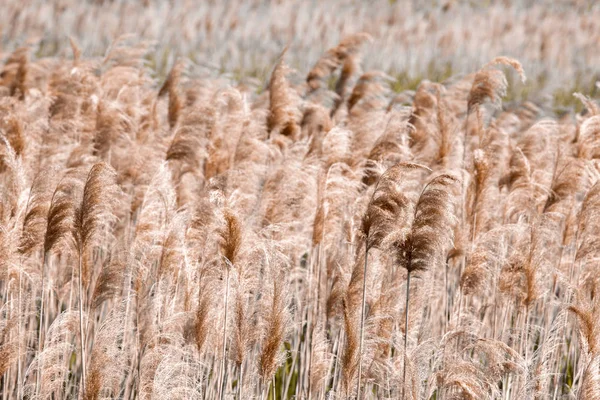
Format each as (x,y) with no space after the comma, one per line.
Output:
(318,237)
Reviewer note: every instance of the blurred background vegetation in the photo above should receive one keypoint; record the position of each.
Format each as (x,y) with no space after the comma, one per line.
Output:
(558,42)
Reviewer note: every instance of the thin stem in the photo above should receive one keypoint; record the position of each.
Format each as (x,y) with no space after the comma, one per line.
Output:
(362,318)
(19,337)
(405,333)
(310,328)
(526,333)
(40,343)
(241,382)
(316,323)
(336,373)
(446,297)
(224,347)
(81,331)
(465,138)
(130,377)
(287,380)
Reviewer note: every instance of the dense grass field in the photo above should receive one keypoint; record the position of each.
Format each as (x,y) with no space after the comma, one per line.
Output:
(299,200)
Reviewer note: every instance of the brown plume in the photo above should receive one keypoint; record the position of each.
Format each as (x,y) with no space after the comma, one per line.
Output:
(96,212)
(17,66)
(64,210)
(334,58)
(431,231)
(275,322)
(284,115)
(490,84)
(34,223)
(171,86)
(391,202)
(231,237)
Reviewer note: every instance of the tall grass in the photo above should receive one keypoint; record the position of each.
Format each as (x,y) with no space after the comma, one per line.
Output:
(199,238)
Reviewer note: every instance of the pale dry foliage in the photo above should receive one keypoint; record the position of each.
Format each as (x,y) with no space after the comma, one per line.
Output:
(195,237)
(555,40)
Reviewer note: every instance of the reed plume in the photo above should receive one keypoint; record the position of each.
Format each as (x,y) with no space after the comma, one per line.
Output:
(170,87)
(18,85)
(231,241)
(490,84)
(428,241)
(96,212)
(335,57)
(79,223)
(390,203)
(284,116)
(34,222)
(276,320)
